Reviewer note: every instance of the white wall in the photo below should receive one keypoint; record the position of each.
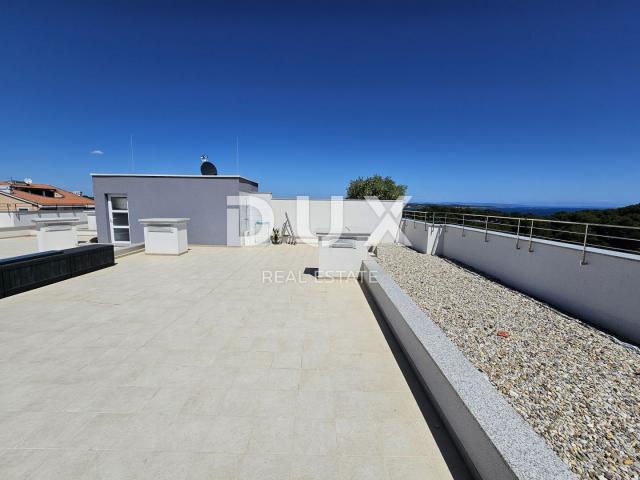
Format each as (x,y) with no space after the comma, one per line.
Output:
(14,219)
(423,237)
(357,217)
(605,291)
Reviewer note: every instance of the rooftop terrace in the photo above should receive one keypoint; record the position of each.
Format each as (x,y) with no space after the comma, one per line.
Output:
(194,367)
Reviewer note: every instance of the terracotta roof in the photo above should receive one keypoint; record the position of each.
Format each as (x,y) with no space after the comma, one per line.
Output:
(67,198)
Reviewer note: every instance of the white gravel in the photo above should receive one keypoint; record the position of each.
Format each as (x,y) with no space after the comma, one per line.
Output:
(576,386)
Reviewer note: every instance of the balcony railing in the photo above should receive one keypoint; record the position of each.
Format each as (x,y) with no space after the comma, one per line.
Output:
(610,237)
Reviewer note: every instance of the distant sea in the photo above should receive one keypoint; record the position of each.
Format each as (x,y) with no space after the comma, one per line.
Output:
(520,208)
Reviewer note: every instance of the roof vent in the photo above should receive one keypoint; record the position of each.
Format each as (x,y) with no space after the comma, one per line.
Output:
(207,168)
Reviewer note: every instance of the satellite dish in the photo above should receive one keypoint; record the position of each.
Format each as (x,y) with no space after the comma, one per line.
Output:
(207,168)
(28,181)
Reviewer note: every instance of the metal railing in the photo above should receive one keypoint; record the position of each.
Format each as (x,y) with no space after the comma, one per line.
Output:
(619,238)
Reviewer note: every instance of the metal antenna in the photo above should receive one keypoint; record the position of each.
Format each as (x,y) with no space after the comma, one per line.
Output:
(237,156)
(133,165)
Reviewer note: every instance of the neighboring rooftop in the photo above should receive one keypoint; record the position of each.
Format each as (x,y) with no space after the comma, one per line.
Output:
(42,195)
(576,386)
(177,367)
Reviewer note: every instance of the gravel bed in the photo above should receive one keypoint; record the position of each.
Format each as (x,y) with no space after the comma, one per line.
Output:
(577,387)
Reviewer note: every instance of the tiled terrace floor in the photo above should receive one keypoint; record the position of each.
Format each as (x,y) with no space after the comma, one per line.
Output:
(192,367)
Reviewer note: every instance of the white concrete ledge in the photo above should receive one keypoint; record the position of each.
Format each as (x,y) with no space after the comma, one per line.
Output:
(496,442)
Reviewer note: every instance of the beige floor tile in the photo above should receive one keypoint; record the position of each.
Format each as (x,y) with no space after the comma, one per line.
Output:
(276,403)
(15,427)
(56,430)
(416,468)
(315,380)
(20,464)
(122,399)
(165,466)
(229,435)
(117,465)
(203,401)
(264,467)
(239,403)
(272,435)
(362,468)
(65,465)
(314,467)
(314,437)
(319,404)
(103,431)
(283,379)
(400,437)
(169,400)
(210,466)
(357,436)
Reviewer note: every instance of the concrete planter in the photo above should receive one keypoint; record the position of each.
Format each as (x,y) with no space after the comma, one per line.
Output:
(496,442)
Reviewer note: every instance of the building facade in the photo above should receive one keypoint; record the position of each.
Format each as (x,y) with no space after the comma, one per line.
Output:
(123,199)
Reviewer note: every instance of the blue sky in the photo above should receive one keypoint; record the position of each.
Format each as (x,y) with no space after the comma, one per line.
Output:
(509,102)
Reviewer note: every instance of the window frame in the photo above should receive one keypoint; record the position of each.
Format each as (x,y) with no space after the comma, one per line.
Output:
(112,226)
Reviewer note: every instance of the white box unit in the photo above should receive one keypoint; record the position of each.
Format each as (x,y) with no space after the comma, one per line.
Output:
(91,221)
(165,236)
(56,233)
(341,256)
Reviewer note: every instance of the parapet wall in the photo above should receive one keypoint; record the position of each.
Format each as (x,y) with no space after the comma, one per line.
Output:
(315,215)
(25,219)
(604,291)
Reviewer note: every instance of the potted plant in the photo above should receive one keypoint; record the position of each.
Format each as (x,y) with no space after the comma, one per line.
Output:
(275,236)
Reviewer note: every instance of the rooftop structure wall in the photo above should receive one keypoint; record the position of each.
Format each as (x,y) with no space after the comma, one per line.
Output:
(202,199)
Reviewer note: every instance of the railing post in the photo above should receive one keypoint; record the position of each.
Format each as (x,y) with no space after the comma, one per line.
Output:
(584,245)
(518,236)
(463,215)
(531,237)
(445,222)
(486,228)
(425,221)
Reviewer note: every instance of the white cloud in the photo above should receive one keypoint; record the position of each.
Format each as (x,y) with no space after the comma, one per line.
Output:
(96,152)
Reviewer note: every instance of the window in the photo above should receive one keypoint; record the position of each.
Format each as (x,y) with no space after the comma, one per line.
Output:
(119,218)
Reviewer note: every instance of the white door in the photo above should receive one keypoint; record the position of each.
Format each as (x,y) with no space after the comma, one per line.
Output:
(119,219)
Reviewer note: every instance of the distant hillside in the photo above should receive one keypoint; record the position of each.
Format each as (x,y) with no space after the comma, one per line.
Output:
(628,216)
(598,236)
